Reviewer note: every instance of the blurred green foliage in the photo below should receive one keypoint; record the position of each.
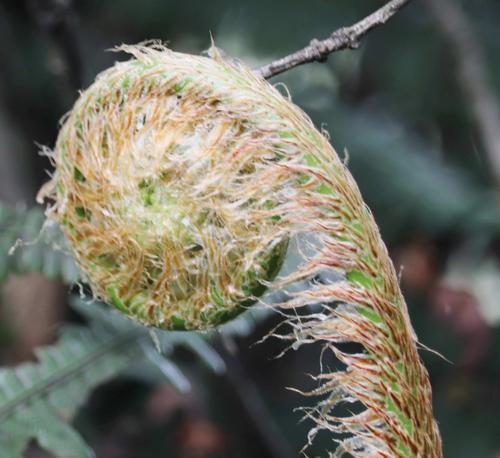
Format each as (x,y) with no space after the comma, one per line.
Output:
(412,144)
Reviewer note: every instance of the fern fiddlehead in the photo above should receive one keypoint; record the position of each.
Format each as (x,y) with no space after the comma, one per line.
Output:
(179,181)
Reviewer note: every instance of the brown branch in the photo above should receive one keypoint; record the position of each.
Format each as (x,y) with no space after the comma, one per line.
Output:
(343,38)
(472,75)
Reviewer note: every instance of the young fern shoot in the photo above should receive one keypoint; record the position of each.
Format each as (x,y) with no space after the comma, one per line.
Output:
(179,181)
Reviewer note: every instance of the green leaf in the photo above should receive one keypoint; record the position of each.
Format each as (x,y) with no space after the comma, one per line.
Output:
(81,212)
(178,323)
(179,87)
(310,160)
(27,246)
(116,300)
(78,175)
(286,135)
(216,296)
(356,276)
(325,189)
(37,400)
(370,314)
(403,419)
(99,314)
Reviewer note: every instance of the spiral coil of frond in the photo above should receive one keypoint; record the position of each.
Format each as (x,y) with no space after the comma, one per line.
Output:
(179,180)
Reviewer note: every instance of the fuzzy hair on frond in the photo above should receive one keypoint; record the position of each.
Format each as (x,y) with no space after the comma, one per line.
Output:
(179,181)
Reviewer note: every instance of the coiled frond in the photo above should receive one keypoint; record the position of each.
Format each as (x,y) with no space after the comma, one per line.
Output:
(179,180)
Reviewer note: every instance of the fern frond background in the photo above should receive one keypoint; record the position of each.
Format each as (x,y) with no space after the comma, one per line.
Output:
(38,401)
(27,247)
(412,147)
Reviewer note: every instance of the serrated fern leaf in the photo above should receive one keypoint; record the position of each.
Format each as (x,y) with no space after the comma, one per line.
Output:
(38,251)
(163,342)
(37,400)
(157,345)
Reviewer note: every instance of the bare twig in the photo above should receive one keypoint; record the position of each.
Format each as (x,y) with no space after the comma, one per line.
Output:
(472,75)
(343,38)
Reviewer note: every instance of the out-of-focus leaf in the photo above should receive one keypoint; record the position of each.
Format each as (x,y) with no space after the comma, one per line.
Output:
(38,400)
(29,244)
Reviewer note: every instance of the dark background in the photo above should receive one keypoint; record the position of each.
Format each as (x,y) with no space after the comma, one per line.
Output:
(410,109)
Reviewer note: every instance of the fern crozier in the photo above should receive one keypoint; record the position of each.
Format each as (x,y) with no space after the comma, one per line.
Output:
(179,180)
